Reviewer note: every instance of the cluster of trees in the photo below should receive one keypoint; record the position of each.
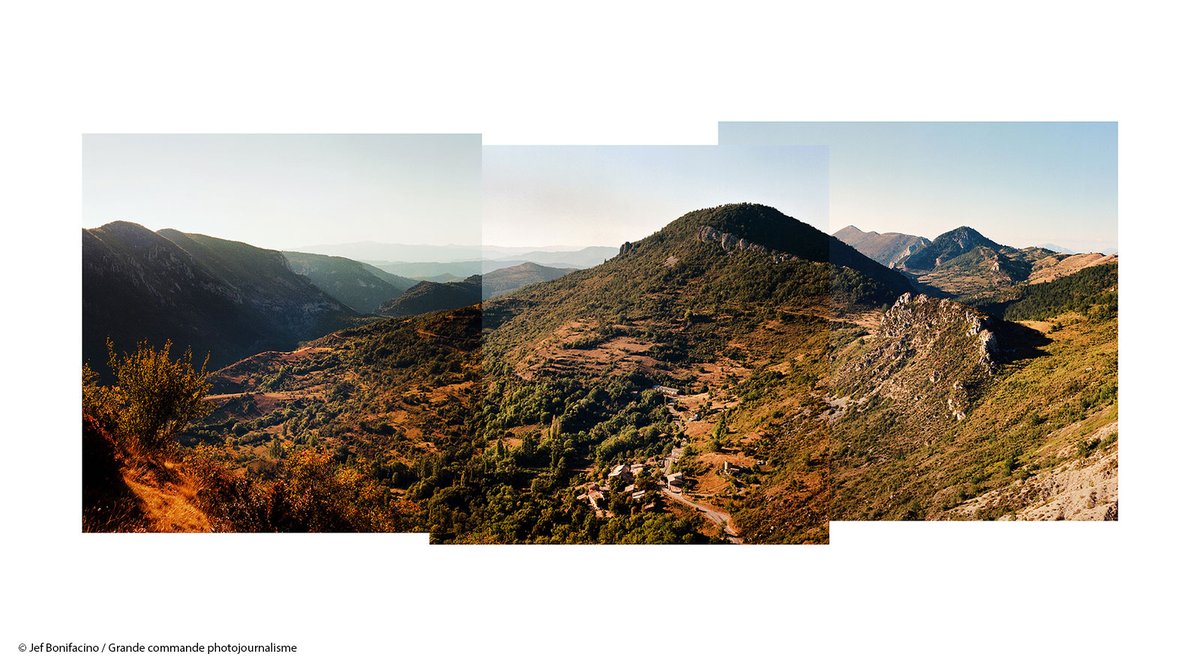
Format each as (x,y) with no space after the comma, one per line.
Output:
(525,493)
(1091,291)
(154,398)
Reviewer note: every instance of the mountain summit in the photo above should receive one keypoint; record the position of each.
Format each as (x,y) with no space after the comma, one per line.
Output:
(948,246)
(765,230)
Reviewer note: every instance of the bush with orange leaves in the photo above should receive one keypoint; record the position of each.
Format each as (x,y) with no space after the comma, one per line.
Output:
(306,492)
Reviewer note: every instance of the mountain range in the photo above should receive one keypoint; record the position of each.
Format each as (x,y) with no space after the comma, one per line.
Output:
(736,376)
(217,297)
(400,254)
(229,300)
(360,286)
(965,264)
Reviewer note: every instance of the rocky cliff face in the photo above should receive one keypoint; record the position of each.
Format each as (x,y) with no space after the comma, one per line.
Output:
(925,321)
(930,354)
(733,243)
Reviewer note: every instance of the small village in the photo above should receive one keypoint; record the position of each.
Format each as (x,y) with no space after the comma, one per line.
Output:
(647,484)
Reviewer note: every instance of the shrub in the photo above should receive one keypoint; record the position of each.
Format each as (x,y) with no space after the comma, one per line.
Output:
(155,397)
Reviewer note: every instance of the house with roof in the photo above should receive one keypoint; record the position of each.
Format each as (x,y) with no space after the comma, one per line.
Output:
(621,473)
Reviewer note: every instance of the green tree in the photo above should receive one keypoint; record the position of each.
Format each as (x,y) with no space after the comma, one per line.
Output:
(719,434)
(100,402)
(156,397)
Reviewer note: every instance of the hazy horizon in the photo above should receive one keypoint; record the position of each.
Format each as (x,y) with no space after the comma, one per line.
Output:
(1021,184)
(607,195)
(1048,245)
(280,191)
(1018,183)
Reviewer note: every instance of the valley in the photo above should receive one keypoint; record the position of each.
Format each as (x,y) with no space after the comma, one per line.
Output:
(736,377)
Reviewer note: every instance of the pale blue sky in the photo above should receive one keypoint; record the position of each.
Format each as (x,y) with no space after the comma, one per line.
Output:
(284,191)
(1018,183)
(606,195)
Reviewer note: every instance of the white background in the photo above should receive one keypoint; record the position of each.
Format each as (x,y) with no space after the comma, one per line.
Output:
(627,73)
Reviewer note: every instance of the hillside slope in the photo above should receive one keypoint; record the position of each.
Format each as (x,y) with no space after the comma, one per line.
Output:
(504,280)
(966,265)
(728,311)
(121,494)
(360,286)
(889,248)
(355,431)
(1059,265)
(434,296)
(944,412)
(220,297)
(1091,291)
(702,364)
(738,376)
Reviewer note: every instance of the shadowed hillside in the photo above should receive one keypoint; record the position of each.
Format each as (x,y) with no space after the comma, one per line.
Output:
(434,296)
(504,280)
(220,297)
(360,286)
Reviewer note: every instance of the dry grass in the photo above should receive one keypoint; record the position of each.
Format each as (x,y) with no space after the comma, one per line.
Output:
(1053,268)
(168,506)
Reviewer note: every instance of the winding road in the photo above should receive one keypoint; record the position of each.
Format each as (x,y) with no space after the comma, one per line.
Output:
(720,518)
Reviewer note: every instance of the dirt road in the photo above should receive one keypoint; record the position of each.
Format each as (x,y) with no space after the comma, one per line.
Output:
(720,518)
(716,516)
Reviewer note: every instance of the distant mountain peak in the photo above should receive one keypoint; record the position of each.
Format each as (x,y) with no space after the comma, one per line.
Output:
(1058,248)
(888,248)
(967,238)
(947,246)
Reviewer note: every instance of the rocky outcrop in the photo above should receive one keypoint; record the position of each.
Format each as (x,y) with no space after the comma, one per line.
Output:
(921,319)
(733,243)
(930,354)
